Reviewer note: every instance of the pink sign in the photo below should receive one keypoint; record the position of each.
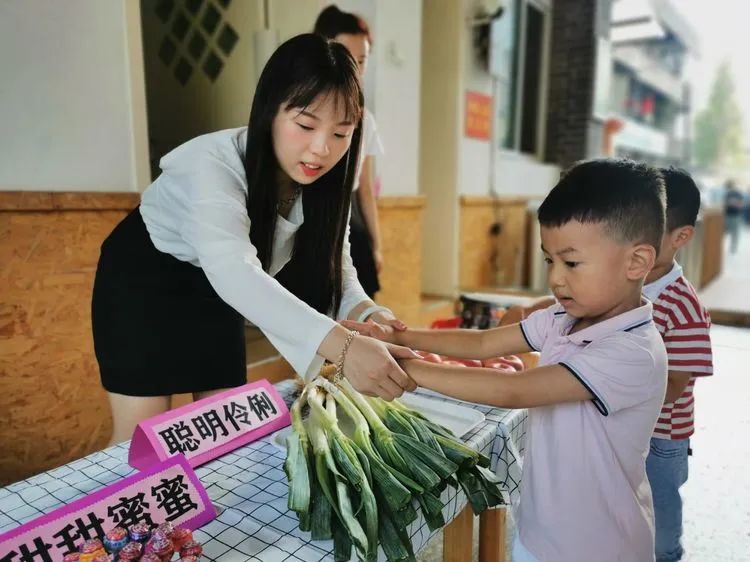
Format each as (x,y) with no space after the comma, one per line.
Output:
(211,427)
(169,491)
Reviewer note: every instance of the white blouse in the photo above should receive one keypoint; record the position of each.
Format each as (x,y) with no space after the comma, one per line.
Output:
(196,211)
(371,143)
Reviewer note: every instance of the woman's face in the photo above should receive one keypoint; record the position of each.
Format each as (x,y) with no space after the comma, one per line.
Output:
(359,47)
(309,141)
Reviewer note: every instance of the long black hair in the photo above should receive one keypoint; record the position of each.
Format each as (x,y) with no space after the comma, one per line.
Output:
(300,70)
(332,22)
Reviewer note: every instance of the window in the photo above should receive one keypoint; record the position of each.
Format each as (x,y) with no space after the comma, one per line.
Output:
(503,60)
(532,70)
(518,61)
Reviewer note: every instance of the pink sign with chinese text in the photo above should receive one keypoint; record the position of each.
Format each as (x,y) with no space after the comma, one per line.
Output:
(211,427)
(169,491)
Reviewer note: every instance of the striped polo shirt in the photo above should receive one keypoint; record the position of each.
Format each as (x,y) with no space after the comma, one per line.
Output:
(684,324)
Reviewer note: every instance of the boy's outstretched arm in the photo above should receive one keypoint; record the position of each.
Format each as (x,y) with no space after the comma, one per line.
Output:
(552,384)
(469,344)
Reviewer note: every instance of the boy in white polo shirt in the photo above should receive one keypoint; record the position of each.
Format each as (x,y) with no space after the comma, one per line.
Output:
(600,385)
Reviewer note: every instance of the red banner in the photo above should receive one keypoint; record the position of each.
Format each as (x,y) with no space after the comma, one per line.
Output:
(478,118)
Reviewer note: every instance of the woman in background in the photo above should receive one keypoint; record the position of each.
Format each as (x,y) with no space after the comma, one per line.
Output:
(352,32)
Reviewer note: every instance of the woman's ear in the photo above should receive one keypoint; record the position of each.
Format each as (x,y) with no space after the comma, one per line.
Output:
(642,260)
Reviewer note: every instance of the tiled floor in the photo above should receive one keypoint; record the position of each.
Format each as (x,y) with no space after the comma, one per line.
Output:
(717,494)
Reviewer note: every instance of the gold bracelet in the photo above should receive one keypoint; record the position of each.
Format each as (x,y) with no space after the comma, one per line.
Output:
(339,375)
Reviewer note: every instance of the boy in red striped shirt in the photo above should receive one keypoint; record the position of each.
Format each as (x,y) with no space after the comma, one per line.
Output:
(684,325)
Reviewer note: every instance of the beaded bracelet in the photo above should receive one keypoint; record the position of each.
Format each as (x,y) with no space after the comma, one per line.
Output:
(339,374)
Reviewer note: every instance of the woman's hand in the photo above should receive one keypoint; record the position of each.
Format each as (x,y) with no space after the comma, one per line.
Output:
(372,369)
(385,331)
(394,323)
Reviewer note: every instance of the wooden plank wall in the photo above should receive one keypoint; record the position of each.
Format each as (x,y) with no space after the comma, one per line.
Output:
(52,406)
(488,260)
(401,220)
(713,245)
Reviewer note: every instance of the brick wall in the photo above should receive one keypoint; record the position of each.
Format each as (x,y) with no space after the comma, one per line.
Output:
(572,132)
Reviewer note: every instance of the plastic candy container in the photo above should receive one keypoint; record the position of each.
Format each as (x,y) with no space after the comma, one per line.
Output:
(140,532)
(166,528)
(91,549)
(160,546)
(115,539)
(180,536)
(191,548)
(131,551)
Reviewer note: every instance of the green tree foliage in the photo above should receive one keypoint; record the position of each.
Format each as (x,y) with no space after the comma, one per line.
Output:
(718,127)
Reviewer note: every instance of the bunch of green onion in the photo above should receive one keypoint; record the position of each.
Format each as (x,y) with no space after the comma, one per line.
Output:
(362,489)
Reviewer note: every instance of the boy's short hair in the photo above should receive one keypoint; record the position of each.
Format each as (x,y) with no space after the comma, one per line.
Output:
(683,198)
(628,196)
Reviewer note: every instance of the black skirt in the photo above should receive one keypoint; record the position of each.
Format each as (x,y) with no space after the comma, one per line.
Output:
(361,250)
(159,327)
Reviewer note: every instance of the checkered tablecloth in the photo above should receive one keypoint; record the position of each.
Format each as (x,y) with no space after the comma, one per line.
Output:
(249,489)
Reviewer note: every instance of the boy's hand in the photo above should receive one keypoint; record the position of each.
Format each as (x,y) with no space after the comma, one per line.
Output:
(382,332)
(402,353)
(414,368)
